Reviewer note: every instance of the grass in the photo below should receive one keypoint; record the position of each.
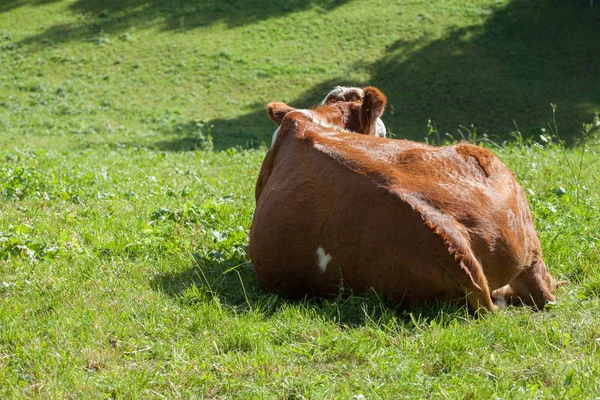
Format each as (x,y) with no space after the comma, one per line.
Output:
(131,139)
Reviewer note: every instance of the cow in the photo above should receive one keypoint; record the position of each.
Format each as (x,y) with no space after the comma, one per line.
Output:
(339,206)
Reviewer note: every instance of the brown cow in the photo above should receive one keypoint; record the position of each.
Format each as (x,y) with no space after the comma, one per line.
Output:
(414,222)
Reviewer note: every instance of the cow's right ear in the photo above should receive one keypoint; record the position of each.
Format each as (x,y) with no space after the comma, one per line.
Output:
(374,102)
(372,108)
(277,111)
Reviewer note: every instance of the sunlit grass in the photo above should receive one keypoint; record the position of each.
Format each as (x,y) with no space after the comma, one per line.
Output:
(130,144)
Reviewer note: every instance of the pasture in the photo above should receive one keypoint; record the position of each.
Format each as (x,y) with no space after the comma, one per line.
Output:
(131,136)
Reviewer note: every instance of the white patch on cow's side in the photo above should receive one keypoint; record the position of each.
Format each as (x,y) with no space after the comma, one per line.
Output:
(275,135)
(512,221)
(341,91)
(323,259)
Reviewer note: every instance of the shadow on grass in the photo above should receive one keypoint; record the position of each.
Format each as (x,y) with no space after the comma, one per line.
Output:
(235,285)
(488,78)
(526,55)
(7,5)
(118,16)
(247,131)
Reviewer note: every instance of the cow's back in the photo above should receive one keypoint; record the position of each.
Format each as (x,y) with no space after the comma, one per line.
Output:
(322,220)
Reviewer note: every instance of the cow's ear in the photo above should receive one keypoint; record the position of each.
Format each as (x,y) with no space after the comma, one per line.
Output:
(372,108)
(277,111)
(374,101)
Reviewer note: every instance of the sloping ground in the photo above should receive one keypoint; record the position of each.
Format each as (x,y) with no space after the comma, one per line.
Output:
(122,234)
(158,72)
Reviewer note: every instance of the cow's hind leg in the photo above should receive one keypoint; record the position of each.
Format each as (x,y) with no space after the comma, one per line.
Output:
(533,287)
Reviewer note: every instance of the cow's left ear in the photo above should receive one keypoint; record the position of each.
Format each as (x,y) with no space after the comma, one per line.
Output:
(277,111)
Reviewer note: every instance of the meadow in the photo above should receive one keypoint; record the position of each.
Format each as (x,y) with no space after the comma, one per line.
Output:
(131,135)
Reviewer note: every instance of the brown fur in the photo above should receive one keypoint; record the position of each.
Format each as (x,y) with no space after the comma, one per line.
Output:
(372,108)
(416,223)
(354,112)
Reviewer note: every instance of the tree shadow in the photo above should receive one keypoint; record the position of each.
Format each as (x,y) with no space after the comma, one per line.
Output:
(233,284)
(496,78)
(8,5)
(117,16)
(249,130)
(527,55)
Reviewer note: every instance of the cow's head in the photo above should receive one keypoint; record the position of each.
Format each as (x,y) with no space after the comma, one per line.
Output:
(350,109)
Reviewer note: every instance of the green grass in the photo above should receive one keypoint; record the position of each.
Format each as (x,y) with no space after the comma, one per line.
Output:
(131,137)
